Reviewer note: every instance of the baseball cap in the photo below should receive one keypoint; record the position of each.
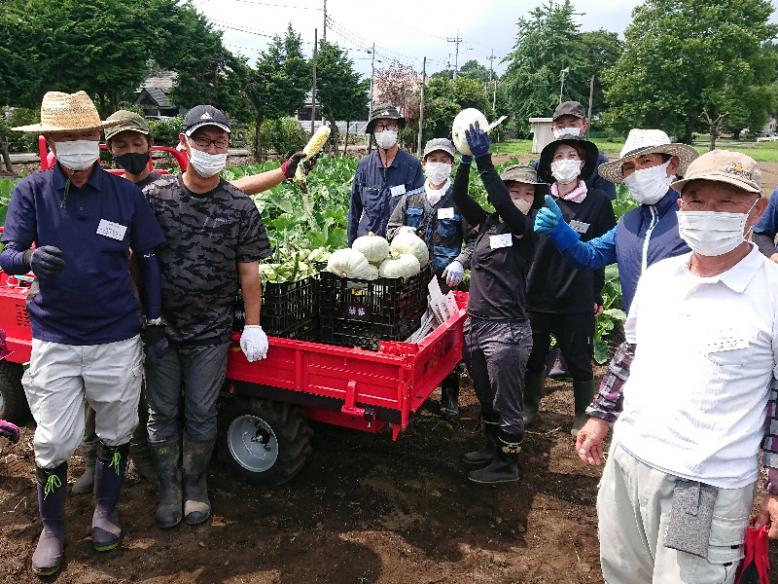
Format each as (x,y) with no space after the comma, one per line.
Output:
(204,115)
(569,108)
(724,166)
(127,122)
(443,144)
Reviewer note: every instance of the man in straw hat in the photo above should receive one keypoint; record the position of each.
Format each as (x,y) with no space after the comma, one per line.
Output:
(677,491)
(383,176)
(85,317)
(215,241)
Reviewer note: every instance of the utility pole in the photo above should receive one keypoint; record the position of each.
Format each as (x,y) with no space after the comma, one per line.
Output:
(421,104)
(456,40)
(324,35)
(313,91)
(493,80)
(562,73)
(591,98)
(370,105)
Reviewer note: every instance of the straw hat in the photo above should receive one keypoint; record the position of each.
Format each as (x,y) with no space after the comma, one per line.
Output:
(67,112)
(732,168)
(640,142)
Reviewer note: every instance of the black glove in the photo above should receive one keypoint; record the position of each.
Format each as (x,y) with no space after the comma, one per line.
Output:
(309,164)
(289,167)
(44,261)
(154,341)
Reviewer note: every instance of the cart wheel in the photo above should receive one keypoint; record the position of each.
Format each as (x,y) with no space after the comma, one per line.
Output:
(266,442)
(13,403)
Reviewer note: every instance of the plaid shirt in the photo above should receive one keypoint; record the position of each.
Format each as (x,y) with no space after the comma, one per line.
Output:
(608,403)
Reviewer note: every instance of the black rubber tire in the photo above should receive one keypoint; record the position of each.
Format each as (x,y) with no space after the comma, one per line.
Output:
(291,429)
(13,406)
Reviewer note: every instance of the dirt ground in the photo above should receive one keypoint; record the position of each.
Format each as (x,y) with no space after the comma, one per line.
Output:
(363,510)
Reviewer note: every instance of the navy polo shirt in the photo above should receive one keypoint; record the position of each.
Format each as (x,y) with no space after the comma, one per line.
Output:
(377,190)
(91,301)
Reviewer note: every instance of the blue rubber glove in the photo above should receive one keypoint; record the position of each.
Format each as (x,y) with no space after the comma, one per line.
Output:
(466,159)
(44,261)
(548,217)
(453,274)
(478,140)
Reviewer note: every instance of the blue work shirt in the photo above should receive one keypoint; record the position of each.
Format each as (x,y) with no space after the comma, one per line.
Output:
(768,224)
(596,181)
(643,236)
(377,190)
(91,301)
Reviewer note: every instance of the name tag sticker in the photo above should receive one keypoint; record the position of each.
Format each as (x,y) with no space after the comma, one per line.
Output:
(397,191)
(579,226)
(502,240)
(111,230)
(446,213)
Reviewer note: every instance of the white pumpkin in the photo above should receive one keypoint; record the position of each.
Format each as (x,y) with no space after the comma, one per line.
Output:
(402,266)
(407,242)
(374,247)
(462,122)
(349,263)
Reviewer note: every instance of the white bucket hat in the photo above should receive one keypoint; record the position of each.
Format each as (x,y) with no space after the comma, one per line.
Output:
(640,142)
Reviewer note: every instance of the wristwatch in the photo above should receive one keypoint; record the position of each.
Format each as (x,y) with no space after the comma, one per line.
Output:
(155,322)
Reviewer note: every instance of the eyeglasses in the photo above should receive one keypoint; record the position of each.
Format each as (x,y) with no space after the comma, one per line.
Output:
(220,143)
(380,127)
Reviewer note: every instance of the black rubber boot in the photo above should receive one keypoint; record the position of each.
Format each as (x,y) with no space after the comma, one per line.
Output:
(504,468)
(197,456)
(583,392)
(488,453)
(140,454)
(49,553)
(86,482)
(533,390)
(109,476)
(449,396)
(166,455)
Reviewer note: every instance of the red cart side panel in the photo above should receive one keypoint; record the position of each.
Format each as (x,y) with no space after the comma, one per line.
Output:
(13,317)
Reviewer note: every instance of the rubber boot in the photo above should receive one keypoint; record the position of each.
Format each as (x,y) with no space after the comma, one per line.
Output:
(488,453)
(85,483)
(197,456)
(109,476)
(140,454)
(449,396)
(504,468)
(165,455)
(583,392)
(534,382)
(51,486)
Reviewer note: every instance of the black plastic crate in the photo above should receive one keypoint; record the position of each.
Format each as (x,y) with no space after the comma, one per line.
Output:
(288,308)
(359,313)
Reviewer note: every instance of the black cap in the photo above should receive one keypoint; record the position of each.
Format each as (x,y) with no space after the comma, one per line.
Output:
(569,108)
(204,115)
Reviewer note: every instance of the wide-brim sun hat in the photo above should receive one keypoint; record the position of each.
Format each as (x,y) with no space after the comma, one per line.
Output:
(547,155)
(527,175)
(384,111)
(67,112)
(723,166)
(641,142)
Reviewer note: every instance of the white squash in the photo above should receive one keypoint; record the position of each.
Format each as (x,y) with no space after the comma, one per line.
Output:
(462,122)
(407,242)
(402,266)
(374,247)
(349,263)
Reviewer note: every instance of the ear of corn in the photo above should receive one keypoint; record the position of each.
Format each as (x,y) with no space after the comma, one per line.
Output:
(312,148)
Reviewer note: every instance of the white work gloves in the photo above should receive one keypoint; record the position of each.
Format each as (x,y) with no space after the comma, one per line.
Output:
(453,274)
(253,342)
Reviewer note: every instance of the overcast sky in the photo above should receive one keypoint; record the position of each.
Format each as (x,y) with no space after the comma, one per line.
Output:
(406,30)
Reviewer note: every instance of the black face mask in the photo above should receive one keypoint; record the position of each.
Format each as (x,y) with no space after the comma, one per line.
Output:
(132,162)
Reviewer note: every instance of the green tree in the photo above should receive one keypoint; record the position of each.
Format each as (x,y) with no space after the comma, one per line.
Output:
(687,58)
(547,43)
(341,91)
(445,98)
(277,85)
(601,51)
(472,69)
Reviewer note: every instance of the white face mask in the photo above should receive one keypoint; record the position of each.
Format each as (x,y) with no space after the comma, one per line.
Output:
(437,172)
(78,154)
(712,233)
(559,132)
(206,164)
(649,185)
(386,138)
(566,171)
(523,205)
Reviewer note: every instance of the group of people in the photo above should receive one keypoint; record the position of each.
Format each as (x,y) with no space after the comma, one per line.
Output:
(131,314)
(691,392)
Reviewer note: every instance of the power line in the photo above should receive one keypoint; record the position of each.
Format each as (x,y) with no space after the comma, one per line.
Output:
(364,43)
(456,40)
(257,2)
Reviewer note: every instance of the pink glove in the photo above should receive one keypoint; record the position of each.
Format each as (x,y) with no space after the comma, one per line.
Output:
(9,430)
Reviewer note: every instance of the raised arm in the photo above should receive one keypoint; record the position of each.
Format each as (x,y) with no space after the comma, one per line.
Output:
(470,209)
